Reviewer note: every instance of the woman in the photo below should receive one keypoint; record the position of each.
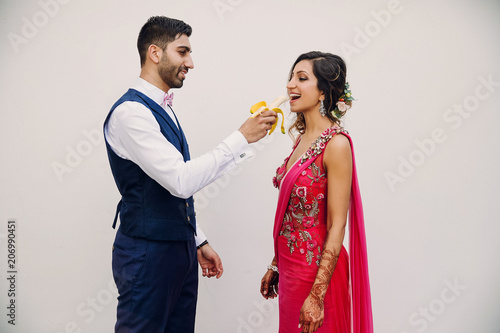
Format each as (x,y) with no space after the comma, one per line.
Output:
(318,186)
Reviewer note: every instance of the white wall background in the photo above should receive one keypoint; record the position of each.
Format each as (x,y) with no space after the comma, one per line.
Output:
(432,233)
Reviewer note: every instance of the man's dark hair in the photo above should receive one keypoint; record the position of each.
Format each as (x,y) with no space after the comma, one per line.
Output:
(160,30)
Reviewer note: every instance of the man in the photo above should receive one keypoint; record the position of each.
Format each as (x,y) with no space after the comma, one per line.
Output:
(158,241)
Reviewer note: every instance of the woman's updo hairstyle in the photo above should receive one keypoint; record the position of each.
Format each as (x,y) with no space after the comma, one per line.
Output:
(330,71)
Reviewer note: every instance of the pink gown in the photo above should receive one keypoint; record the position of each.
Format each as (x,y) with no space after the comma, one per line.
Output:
(299,234)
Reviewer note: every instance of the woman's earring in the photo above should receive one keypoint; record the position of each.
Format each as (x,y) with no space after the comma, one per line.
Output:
(322,109)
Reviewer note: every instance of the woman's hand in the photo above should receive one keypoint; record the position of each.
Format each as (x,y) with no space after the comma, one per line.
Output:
(269,284)
(312,314)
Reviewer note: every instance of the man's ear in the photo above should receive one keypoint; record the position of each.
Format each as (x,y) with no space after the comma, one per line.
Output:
(155,53)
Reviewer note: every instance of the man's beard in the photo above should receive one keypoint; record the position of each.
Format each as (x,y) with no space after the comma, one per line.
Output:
(170,74)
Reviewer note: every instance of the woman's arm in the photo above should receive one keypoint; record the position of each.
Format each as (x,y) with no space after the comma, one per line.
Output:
(338,164)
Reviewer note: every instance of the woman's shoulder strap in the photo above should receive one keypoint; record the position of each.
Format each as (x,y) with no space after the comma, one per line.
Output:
(319,145)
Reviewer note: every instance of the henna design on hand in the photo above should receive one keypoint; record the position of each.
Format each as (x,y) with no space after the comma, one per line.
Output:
(314,308)
(269,284)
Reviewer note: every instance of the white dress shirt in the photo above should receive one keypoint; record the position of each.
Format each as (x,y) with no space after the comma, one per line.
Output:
(134,134)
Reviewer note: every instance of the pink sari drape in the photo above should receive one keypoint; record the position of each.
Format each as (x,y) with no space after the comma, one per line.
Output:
(360,284)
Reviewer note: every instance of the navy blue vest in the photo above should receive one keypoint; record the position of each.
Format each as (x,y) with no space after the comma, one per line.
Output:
(147,209)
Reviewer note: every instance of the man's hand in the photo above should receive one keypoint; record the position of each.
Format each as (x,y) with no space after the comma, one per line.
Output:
(210,262)
(254,129)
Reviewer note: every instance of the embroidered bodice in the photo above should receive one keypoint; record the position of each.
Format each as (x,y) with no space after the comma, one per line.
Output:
(304,222)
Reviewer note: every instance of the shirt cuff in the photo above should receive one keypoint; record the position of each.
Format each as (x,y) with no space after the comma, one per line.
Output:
(238,146)
(200,236)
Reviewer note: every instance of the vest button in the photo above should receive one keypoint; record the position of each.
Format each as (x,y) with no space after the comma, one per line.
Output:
(187,204)
(189,219)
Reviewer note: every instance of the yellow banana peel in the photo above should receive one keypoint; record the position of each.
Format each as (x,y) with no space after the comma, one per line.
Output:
(260,107)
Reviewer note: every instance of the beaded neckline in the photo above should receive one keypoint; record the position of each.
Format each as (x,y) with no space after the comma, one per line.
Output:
(320,143)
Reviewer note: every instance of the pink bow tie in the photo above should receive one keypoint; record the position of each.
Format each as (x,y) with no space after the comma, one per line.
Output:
(168,99)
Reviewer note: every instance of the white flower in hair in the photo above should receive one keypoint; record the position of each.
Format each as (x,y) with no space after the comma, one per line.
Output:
(342,106)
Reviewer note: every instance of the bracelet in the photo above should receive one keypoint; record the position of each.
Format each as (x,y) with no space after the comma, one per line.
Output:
(273,268)
(202,244)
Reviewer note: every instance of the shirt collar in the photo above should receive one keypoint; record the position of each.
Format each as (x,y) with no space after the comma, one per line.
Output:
(150,90)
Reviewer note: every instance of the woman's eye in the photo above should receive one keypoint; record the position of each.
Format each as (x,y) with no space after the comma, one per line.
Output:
(302,79)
